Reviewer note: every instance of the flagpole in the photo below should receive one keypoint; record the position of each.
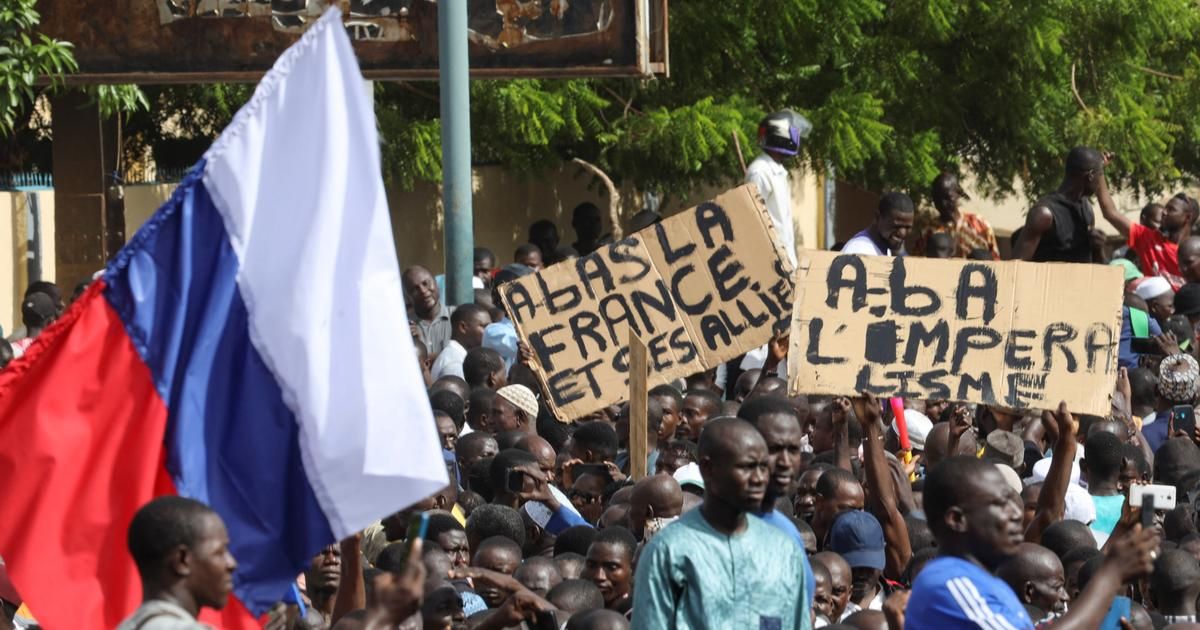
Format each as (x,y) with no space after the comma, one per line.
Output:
(453,72)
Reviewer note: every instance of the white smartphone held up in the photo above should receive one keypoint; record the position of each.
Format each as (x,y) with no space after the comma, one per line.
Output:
(1152,498)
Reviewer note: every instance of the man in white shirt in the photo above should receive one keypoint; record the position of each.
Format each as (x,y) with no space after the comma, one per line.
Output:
(885,237)
(466,332)
(780,135)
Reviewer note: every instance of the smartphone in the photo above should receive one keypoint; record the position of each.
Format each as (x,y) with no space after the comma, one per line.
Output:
(1163,497)
(418,524)
(1183,418)
(1120,609)
(1144,345)
(579,470)
(545,620)
(515,481)
(1152,498)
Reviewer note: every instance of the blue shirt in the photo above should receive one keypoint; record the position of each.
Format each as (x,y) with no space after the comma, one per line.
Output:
(1126,357)
(1155,433)
(690,576)
(1108,512)
(952,593)
(778,519)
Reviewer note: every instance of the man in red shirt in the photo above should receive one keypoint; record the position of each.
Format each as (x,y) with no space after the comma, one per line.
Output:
(1158,251)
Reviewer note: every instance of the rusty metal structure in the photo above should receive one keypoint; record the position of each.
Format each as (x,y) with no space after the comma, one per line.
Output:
(189,41)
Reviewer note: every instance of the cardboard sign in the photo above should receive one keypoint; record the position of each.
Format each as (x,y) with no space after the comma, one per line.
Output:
(699,288)
(1012,334)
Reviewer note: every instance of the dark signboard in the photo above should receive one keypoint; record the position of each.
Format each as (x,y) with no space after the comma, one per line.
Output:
(170,41)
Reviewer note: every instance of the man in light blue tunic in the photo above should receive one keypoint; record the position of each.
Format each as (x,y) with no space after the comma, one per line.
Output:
(719,566)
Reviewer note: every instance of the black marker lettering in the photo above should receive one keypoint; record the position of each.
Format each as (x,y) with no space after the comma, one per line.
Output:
(708,216)
(693,308)
(585,325)
(680,343)
(545,352)
(1059,334)
(723,275)
(901,293)
(932,382)
(552,297)
(591,268)
(712,327)
(983,384)
(1014,346)
(564,388)
(863,383)
(624,315)
(919,335)
(518,300)
(814,345)
(670,253)
(882,338)
(662,304)
(624,251)
(970,337)
(835,280)
(1100,339)
(984,290)
(658,351)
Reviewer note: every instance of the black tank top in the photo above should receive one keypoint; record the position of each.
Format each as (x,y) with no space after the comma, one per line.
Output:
(1069,239)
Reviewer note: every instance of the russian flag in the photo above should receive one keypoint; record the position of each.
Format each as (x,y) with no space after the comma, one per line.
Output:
(248,348)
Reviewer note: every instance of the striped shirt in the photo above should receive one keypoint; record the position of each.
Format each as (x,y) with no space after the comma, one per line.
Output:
(952,593)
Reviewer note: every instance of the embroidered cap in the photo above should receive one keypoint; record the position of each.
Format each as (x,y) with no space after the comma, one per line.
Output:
(521,398)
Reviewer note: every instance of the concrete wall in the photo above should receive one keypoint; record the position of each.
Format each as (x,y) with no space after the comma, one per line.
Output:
(14,251)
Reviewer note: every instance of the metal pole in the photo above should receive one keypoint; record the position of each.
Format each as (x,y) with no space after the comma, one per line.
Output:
(453,71)
(830,205)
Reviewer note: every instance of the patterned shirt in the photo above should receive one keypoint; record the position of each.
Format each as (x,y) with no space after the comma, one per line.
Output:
(970,232)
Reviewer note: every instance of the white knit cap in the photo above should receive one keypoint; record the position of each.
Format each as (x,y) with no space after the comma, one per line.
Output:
(521,398)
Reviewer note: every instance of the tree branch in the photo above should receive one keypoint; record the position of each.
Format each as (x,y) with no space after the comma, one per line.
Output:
(1075,91)
(1157,73)
(614,196)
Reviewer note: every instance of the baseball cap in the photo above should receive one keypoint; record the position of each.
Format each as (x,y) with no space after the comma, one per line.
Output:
(919,426)
(1187,300)
(1152,287)
(857,537)
(37,309)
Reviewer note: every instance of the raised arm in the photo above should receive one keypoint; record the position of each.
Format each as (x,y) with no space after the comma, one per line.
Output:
(352,592)
(1053,500)
(1131,556)
(1039,221)
(1109,209)
(882,494)
(841,437)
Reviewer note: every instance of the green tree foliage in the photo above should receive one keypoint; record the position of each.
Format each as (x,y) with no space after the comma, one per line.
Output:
(898,90)
(25,57)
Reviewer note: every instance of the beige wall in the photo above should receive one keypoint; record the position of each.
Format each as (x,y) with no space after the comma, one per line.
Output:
(141,202)
(14,276)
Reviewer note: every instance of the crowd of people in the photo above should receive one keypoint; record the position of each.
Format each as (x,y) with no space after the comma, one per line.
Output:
(762,509)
